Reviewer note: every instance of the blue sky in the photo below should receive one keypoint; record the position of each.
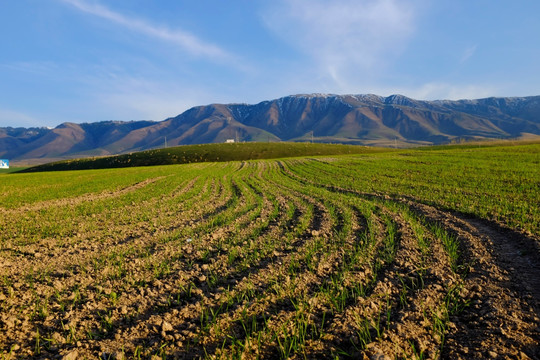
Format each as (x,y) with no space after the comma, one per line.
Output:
(94,60)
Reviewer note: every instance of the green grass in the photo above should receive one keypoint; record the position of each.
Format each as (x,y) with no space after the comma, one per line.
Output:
(206,153)
(498,183)
(276,254)
(13,169)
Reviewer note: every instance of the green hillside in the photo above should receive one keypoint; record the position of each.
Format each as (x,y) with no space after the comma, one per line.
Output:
(206,153)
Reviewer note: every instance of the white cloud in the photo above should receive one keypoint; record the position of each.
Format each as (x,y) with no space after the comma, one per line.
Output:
(347,40)
(187,41)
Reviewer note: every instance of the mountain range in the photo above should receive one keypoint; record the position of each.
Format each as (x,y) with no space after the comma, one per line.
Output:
(353,119)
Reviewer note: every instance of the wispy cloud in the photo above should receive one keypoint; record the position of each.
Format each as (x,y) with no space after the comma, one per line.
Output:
(189,42)
(468,53)
(38,68)
(346,39)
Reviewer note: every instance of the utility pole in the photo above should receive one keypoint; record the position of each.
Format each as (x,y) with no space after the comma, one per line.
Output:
(165,141)
(312,136)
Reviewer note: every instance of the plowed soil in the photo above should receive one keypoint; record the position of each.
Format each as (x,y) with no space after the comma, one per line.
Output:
(249,260)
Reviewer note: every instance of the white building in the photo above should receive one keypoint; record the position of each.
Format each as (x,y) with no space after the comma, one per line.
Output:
(4,164)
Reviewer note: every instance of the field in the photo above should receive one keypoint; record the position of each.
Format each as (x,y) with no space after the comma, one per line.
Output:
(413,254)
(188,154)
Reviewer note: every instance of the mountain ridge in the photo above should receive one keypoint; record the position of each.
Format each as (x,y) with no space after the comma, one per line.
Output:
(365,119)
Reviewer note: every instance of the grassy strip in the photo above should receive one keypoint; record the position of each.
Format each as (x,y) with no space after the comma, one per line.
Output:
(206,153)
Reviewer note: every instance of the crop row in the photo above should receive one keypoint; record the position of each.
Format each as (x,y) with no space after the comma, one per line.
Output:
(291,258)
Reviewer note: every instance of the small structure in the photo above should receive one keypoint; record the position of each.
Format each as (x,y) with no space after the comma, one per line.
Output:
(229,141)
(4,164)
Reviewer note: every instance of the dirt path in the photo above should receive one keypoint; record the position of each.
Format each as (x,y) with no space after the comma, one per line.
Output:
(503,286)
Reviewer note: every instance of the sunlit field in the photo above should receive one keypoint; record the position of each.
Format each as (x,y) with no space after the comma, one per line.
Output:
(417,254)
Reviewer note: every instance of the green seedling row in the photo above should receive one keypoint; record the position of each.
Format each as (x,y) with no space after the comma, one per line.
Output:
(311,257)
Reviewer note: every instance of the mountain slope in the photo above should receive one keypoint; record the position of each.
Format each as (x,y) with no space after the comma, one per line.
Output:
(355,119)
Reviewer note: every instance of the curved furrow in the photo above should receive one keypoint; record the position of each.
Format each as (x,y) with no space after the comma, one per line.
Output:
(240,286)
(106,292)
(403,304)
(263,290)
(60,255)
(194,291)
(77,267)
(451,296)
(285,259)
(495,273)
(407,283)
(53,226)
(444,289)
(73,201)
(32,226)
(61,262)
(306,279)
(53,289)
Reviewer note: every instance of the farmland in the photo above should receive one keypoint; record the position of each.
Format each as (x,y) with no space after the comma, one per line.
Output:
(416,254)
(187,154)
